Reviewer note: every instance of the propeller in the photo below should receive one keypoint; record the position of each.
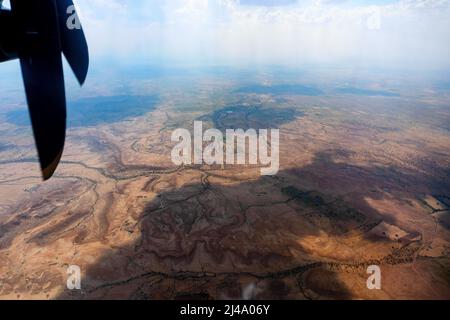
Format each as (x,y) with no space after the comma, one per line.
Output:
(40,31)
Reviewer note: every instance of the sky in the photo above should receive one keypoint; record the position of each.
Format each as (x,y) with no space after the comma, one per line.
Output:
(380,34)
(383,34)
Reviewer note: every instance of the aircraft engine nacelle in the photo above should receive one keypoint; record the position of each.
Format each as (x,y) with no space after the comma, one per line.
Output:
(8,39)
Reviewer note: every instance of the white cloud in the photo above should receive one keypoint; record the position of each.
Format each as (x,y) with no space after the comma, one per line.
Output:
(374,21)
(409,33)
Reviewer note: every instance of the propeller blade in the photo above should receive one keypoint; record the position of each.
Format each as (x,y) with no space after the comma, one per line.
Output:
(73,41)
(42,71)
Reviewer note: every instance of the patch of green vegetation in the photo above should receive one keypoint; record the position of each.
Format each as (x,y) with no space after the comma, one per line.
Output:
(337,209)
(366,92)
(282,89)
(308,198)
(97,110)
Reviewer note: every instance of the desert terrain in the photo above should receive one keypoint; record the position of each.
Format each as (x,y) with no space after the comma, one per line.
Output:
(364,180)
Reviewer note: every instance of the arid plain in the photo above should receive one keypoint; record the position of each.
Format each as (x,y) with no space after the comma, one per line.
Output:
(364,180)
